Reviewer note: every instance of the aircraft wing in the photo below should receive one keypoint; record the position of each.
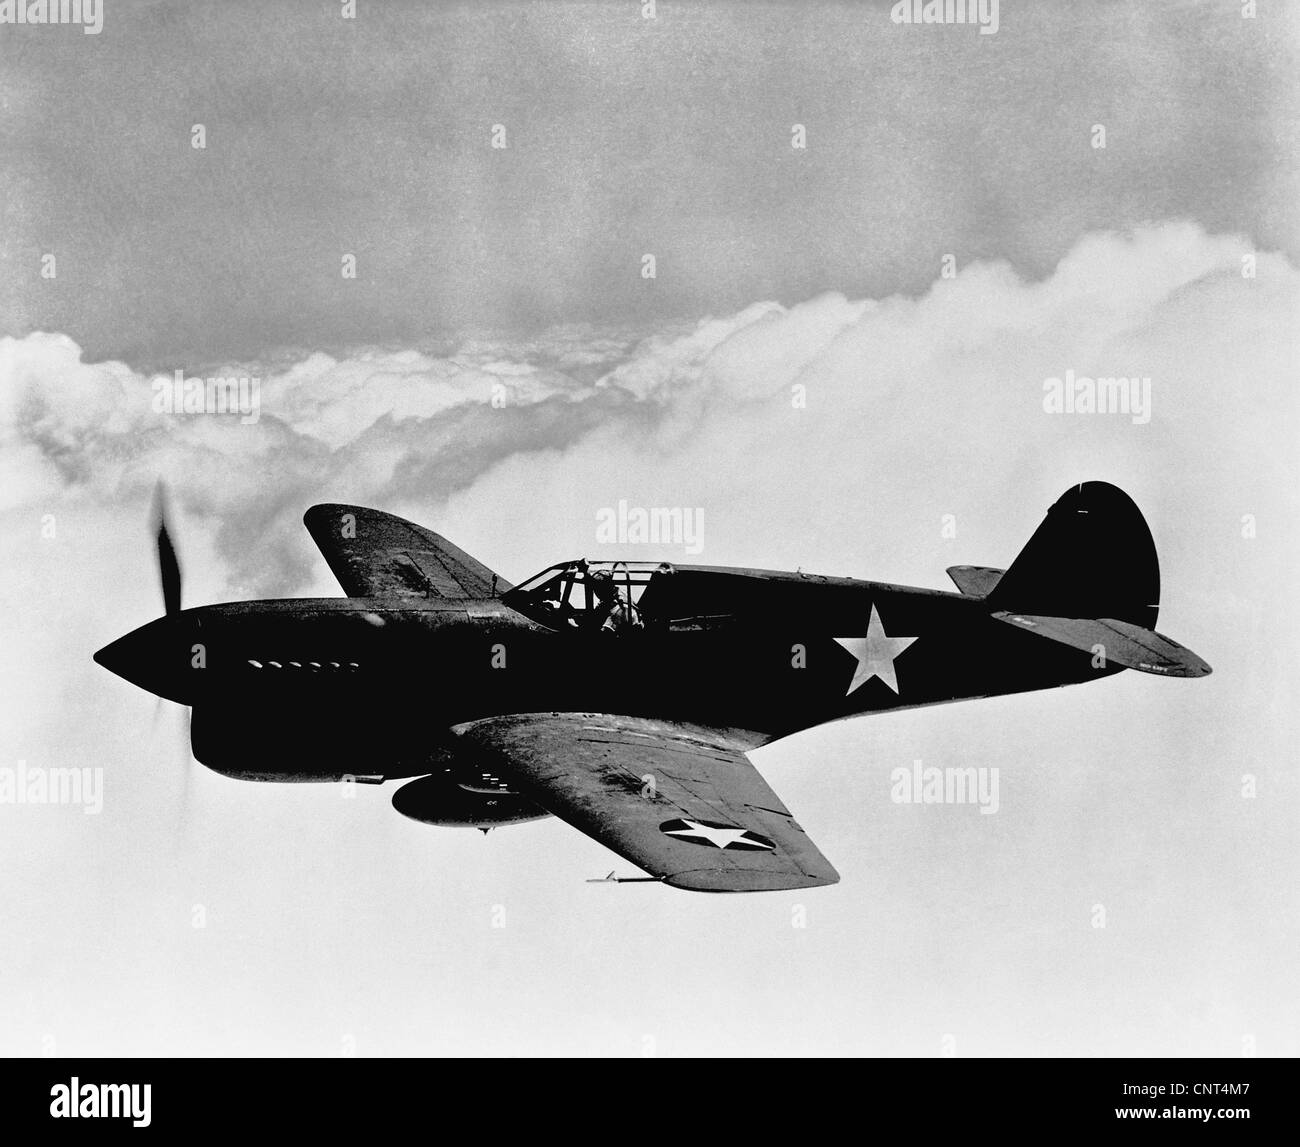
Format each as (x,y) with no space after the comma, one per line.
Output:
(683,802)
(374,554)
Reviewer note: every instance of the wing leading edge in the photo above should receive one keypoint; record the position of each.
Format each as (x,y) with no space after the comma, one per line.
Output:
(682,802)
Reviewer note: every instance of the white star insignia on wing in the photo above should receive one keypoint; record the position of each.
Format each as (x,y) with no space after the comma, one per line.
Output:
(875,654)
(720,837)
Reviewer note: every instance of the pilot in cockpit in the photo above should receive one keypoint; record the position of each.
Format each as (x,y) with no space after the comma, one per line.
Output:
(611,611)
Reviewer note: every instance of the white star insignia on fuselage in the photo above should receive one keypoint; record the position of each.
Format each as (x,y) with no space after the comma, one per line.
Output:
(875,654)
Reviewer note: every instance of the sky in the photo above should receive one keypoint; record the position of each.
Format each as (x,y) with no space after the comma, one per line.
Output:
(840,361)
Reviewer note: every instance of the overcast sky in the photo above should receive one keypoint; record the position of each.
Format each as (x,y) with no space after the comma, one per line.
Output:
(625,136)
(1171,253)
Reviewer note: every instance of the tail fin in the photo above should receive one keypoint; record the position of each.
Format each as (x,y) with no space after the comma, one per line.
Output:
(1093,556)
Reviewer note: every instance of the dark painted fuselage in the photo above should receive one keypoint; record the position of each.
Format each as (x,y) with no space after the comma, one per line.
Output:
(311,689)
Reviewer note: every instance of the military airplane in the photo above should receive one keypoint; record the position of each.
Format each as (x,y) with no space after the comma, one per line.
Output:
(622,696)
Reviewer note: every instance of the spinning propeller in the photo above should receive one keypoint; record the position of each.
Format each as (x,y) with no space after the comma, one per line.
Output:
(169,576)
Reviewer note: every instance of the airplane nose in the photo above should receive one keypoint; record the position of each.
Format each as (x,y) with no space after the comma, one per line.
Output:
(149,657)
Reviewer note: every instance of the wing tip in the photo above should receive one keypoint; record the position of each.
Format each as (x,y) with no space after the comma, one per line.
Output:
(323,509)
(748,880)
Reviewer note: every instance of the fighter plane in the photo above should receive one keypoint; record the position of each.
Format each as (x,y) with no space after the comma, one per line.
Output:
(622,696)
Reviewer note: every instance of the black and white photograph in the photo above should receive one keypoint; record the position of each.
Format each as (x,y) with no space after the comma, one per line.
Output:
(649,529)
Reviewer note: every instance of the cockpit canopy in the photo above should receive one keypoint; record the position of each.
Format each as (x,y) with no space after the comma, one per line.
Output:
(624,596)
(584,594)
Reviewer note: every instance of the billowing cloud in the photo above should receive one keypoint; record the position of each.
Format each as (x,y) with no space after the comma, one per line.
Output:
(834,431)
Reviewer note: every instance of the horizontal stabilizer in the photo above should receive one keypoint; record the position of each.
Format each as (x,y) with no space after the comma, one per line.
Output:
(975,581)
(1121,642)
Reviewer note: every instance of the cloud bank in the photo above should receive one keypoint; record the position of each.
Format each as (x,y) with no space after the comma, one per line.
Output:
(809,433)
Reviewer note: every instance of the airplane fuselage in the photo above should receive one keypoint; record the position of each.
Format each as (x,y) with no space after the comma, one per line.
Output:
(383,680)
